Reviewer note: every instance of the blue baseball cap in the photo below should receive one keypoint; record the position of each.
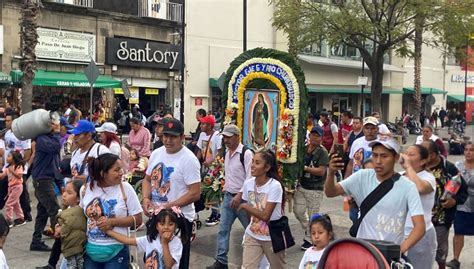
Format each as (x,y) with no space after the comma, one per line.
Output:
(317,130)
(64,123)
(83,126)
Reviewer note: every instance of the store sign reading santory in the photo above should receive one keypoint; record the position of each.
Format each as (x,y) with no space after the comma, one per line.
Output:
(142,53)
(59,45)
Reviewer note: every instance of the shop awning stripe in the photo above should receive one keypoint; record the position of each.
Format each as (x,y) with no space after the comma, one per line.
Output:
(424,90)
(350,90)
(459,98)
(66,79)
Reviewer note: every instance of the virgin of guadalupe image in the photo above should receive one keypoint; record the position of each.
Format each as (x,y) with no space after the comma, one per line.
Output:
(259,126)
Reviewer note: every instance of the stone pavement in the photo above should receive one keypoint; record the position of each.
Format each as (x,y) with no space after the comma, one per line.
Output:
(203,248)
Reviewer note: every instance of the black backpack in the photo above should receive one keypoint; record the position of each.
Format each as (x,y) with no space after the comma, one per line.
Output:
(242,155)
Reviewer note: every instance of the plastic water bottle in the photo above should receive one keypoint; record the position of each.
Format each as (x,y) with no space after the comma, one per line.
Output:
(451,188)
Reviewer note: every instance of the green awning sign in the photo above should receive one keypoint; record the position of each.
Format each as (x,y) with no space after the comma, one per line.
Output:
(66,79)
(424,90)
(5,79)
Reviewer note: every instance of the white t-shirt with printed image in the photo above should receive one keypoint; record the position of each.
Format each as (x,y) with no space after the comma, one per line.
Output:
(311,258)
(107,202)
(386,220)
(270,192)
(171,174)
(214,145)
(154,251)
(77,158)
(427,202)
(360,151)
(3,260)
(13,143)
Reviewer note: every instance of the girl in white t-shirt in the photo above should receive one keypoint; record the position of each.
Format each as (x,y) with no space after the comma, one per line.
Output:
(162,245)
(265,197)
(321,235)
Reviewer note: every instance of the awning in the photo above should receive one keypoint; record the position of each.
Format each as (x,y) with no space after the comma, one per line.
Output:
(459,98)
(318,60)
(5,78)
(213,83)
(424,90)
(65,79)
(348,89)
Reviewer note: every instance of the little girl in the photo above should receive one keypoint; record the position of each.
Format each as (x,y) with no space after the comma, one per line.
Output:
(72,226)
(162,245)
(137,163)
(321,235)
(14,171)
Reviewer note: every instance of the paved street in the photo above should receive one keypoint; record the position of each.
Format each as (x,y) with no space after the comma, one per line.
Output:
(203,248)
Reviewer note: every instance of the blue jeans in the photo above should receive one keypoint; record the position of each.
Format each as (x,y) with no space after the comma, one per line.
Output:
(228,216)
(120,261)
(353,213)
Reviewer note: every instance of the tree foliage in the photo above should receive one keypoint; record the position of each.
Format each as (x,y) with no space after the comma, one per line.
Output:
(387,25)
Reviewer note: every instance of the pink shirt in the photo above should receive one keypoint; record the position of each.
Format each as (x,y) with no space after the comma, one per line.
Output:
(234,171)
(140,141)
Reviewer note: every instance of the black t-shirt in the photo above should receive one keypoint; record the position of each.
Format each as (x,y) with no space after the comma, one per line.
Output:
(316,158)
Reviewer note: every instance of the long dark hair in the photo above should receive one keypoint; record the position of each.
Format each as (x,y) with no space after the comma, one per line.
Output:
(270,158)
(99,165)
(324,220)
(152,232)
(17,159)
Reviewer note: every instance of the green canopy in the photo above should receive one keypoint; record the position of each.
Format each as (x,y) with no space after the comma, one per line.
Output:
(66,79)
(459,98)
(352,90)
(424,90)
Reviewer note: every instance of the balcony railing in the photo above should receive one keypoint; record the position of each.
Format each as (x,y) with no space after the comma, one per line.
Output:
(82,3)
(160,9)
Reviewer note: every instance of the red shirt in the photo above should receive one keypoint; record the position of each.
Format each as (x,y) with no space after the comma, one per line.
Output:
(344,131)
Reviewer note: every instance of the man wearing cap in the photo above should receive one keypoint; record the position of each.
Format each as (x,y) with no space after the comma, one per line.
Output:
(238,160)
(360,150)
(386,219)
(45,168)
(173,179)
(309,192)
(209,144)
(330,131)
(86,148)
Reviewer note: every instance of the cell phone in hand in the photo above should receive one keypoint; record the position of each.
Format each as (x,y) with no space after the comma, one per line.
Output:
(339,150)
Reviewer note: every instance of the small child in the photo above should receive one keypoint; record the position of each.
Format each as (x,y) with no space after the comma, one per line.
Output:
(321,234)
(368,164)
(72,226)
(162,246)
(4,230)
(14,171)
(137,163)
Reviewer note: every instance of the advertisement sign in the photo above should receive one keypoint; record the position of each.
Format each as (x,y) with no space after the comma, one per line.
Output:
(59,45)
(143,53)
(135,98)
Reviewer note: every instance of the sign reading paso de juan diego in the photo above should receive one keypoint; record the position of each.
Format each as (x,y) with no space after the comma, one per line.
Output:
(143,53)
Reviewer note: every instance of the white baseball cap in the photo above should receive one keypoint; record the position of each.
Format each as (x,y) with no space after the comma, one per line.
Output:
(387,142)
(107,127)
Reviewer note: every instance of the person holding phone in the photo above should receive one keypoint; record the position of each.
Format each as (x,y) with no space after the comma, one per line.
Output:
(309,191)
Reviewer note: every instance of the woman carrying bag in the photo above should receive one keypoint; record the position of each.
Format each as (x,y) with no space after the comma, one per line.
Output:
(265,196)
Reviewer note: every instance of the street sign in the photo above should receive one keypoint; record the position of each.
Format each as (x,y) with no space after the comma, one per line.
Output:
(92,72)
(362,81)
(430,100)
(126,91)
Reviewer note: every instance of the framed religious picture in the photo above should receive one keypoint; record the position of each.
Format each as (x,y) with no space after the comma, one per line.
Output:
(260,124)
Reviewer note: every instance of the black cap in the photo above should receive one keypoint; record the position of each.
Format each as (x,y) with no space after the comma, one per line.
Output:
(173,127)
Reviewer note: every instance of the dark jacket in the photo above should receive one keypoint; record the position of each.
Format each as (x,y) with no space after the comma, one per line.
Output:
(46,162)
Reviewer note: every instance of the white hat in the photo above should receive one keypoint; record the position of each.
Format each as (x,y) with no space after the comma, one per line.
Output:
(371,120)
(387,142)
(107,127)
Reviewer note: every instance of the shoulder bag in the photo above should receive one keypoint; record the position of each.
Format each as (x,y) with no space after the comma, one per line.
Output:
(132,264)
(372,199)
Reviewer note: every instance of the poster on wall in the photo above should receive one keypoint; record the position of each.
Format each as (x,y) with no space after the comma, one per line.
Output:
(135,96)
(260,119)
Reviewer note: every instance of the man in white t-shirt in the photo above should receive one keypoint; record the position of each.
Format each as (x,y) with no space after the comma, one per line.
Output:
(173,179)
(86,148)
(383,129)
(360,150)
(386,219)
(209,144)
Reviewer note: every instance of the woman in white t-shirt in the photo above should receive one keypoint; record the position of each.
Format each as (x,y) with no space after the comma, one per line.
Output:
(109,138)
(108,203)
(264,195)
(413,160)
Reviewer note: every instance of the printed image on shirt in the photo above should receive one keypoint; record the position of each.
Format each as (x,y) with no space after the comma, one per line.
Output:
(258,226)
(438,212)
(311,265)
(154,260)
(359,156)
(97,210)
(390,224)
(160,182)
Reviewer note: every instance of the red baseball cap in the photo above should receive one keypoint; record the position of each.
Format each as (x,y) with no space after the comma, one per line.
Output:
(209,120)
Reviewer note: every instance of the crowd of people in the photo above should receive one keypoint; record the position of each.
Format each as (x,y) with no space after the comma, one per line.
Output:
(354,157)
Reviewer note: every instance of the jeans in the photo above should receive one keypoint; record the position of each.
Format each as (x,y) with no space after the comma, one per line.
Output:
(422,254)
(47,206)
(184,262)
(120,261)
(353,213)
(228,216)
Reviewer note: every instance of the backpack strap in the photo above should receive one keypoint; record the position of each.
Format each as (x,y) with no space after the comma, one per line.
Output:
(242,155)
(124,197)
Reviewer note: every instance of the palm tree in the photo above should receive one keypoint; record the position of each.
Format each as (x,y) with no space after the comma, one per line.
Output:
(29,39)
(418,43)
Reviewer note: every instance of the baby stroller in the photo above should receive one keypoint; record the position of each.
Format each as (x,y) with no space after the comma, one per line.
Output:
(348,253)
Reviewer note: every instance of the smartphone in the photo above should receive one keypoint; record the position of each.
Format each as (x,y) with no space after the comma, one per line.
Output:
(339,150)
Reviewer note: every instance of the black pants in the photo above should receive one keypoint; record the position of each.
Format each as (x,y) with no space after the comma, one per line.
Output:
(55,253)
(184,262)
(47,206)
(25,198)
(3,192)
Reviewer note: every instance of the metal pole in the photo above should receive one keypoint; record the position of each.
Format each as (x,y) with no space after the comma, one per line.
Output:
(362,91)
(245,26)
(181,81)
(465,80)
(92,90)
